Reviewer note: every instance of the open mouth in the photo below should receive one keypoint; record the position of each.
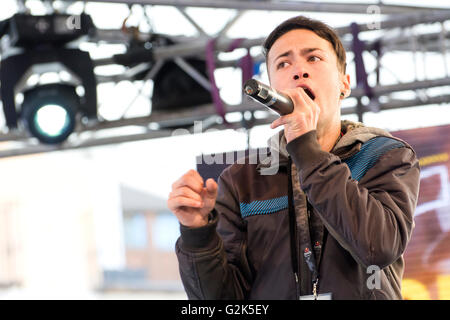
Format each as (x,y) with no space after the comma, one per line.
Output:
(308,92)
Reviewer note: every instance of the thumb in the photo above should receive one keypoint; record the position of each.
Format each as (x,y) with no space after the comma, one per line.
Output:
(211,187)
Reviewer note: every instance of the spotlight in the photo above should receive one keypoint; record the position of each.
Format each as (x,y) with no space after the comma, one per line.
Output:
(48,112)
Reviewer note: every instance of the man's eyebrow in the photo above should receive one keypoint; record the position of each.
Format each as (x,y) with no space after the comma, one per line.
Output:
(284,54)
(303,52)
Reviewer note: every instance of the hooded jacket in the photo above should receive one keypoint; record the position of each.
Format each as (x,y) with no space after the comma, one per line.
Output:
(303,216)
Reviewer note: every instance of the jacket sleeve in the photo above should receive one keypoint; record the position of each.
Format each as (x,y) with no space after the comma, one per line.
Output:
(371,218)
(212,259)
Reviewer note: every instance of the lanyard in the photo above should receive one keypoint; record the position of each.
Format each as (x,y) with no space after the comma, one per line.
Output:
(300,222)
(307,225)
(305,246)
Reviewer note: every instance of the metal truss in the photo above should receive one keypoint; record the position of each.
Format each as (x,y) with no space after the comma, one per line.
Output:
(267,5)
(400,31)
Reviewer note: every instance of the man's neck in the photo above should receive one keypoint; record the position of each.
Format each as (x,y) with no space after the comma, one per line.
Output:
(328,136)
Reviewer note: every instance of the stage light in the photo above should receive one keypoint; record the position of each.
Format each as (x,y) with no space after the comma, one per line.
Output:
(49,112)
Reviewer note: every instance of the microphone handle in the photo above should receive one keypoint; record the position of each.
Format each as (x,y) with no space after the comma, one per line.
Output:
(274,100)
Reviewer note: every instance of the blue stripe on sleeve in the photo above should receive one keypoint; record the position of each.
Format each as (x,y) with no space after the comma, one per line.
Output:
(369,154)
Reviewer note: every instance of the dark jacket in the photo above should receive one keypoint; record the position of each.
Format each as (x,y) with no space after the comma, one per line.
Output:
(358,204)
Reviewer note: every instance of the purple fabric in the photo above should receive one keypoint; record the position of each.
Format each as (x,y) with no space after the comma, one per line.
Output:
(246,64)
(210,64)
(361,74)
(234,44)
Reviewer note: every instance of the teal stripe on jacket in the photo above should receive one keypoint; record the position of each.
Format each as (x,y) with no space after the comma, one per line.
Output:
(359,164)
(369,154)
(263,206)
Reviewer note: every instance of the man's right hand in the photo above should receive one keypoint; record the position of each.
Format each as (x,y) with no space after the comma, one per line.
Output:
(190,201)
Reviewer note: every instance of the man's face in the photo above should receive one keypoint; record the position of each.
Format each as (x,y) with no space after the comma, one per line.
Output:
(301,51)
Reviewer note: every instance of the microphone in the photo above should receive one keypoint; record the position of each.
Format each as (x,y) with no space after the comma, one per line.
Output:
(278,102)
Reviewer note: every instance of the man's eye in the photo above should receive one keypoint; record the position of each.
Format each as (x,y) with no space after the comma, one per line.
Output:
(314,58)
(282,65)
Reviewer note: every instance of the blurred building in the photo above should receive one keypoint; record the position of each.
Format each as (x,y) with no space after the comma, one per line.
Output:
(69,229)
(150,232)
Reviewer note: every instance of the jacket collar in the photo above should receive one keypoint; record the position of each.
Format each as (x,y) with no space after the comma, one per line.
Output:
(355,134)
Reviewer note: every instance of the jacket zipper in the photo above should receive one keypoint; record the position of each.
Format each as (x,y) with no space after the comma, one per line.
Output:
(297,286)
(305,272)
(302,275)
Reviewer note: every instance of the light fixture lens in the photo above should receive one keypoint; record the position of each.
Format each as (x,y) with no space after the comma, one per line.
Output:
(52,120)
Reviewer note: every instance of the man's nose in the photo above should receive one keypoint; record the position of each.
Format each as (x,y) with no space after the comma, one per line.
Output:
(300,72)
(300,75)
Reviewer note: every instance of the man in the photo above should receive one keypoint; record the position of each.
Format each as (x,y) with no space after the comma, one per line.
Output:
(336,217)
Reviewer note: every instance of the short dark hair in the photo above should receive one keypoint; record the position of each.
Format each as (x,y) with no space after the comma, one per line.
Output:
(318,27)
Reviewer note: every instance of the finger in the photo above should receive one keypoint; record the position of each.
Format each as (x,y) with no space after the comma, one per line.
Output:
(309,103)
(180,201)
(280,121)
(211,187)
(296,97)
(191,179)
(275,124)
(185,192)
(304,95)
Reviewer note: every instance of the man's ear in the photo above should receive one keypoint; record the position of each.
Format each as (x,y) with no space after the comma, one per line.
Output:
(345,85)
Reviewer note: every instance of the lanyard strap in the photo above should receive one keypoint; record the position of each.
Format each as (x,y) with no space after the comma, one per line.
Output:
(304,216)
(292,228)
